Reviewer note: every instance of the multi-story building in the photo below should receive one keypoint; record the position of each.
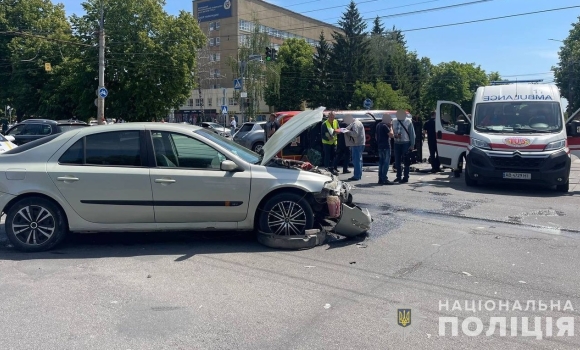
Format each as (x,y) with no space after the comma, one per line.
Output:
(228,24)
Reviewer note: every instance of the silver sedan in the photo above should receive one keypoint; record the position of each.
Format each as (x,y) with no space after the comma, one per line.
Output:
(157,177)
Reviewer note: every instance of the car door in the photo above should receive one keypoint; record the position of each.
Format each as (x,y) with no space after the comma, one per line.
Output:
(104,177)
(574,141)
(189,186)
(16,131)
(450,146)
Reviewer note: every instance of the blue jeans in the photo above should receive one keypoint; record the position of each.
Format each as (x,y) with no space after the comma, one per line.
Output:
(401,150)
(357,161)
(384,161)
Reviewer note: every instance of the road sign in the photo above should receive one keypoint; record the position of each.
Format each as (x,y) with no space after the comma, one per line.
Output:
(368,103)
(224,109)
(243,94)
(237,84)
(103,92)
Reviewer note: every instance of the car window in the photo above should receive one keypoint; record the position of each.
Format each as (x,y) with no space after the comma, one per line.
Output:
(65,128)
(263,125)
(36,129)
(75,154)
(175,150)
(17,130)
(115,148)
(246,127)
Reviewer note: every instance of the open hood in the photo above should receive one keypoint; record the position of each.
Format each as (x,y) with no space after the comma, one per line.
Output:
(289,131)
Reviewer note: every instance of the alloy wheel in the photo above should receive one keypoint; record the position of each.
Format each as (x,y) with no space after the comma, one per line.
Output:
(33,225)
(287,218)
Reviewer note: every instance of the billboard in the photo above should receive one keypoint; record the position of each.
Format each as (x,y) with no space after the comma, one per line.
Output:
(214,9)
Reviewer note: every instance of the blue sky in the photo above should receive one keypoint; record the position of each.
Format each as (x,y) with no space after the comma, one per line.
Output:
(517,47)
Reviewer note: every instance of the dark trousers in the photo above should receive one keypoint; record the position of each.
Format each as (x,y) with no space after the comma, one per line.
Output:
(434,155)
(329,154)
(342,158)
(419,147)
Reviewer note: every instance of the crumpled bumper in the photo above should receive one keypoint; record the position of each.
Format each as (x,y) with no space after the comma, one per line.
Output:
(353,221)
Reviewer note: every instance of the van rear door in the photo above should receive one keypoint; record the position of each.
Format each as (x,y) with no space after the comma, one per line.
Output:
(450,146)
(574,141)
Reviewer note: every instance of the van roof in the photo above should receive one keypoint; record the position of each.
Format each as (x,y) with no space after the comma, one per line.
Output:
(517,92)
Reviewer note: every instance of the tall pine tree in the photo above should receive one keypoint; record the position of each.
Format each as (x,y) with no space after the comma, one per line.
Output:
(320,81)
(378,28)
(350,57)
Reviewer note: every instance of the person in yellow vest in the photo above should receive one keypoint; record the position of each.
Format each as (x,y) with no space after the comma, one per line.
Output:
(329,141)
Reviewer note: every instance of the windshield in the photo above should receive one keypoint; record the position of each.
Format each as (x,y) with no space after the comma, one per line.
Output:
(231,146)
(518,117)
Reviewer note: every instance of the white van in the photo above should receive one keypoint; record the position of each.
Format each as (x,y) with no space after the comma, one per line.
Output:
(516,133)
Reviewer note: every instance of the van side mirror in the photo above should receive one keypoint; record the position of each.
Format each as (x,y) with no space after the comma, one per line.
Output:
(573,128)
(463,128)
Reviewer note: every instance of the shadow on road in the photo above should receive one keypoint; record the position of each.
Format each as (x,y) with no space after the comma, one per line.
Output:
(182,244)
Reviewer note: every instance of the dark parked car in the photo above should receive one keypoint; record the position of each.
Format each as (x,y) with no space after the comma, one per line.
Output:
(34,129)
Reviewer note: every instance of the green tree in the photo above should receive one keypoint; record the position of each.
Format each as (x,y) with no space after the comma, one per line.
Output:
(150,58)
(320,80)
(32,33)
(378,28)
(567,73)
(494,76)
(350,59)
(382,94)
(295,60)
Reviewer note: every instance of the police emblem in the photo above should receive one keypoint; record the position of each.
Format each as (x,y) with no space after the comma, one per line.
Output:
(227,4)
(404,317)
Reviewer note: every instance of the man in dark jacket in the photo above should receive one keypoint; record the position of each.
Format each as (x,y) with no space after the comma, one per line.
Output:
(418,126)
(430,130)
(342,153)
(383,134)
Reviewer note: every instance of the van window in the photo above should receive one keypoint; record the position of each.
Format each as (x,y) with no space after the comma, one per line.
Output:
(520,117)
(450,115)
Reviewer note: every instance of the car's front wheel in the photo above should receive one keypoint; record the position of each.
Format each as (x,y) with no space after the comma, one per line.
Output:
(286,214)
(35,224)
(257,147)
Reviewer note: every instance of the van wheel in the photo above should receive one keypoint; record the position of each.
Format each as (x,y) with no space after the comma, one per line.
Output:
(468,180)
(35,224)
(563,188)
(286,214)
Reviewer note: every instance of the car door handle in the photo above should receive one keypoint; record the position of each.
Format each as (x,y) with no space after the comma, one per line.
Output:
(67,178)
(165,181)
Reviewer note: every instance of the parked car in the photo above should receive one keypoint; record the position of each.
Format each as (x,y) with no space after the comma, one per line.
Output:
(6,143)
(158,177)
(34,129)
(251,135)
(217,128)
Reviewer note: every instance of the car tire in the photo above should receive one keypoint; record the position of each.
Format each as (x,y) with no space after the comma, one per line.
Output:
(286,214)
(563,188)
(35,224)
(257,147)
(468,180)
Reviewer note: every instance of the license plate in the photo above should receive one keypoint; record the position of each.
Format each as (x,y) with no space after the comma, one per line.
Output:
(517,176)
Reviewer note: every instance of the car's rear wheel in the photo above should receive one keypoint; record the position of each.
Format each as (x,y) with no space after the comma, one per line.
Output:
(257,147)
(286,214)
(35,224)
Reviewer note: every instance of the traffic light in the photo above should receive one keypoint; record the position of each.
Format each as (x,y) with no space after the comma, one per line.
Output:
(268,54)
(274,55)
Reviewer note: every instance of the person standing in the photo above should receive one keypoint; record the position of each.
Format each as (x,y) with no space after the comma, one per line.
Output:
(384,134)
(430,131)
(329,141)
(233,125)
(418,126)
(271,127)
(342,152)
(404,135)
(355,139)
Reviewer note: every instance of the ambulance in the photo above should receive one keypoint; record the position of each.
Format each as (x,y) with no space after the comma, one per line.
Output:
(516,133)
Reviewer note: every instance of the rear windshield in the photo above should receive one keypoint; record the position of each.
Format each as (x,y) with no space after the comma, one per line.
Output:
(246,127)
(32,144)
(65,128)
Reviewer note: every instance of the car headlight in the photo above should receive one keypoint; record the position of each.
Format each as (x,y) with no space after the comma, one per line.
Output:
(555,145)
(480,144)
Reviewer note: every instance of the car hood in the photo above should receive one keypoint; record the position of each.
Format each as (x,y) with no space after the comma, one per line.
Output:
(289,131)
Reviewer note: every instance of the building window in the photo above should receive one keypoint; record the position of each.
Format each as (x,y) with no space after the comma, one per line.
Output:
(212,26)
(211,41)
(217,41)
(217,57)
(190,102)
(217,25)
(232,101)
(216,86)
(209,101)
(199,102)
(216,73)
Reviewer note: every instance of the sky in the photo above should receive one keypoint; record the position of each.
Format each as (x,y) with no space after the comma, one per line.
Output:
(517,47)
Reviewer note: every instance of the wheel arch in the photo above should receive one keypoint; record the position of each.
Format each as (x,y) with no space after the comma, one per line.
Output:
(22,196)
(277,191)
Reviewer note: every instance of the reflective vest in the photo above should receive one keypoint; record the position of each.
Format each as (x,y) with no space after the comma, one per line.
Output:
(334,135)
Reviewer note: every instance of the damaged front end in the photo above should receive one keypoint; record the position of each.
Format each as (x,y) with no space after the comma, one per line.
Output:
(333,206)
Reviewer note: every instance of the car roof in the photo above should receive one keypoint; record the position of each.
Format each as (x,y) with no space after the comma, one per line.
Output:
(138,126)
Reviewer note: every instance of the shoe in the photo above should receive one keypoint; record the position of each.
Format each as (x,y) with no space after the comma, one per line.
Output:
(397,180)
(387,182)
(353,179)
(380,183)
(346,171)
(404,181)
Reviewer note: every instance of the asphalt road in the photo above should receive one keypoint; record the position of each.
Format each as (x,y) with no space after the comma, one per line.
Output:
(432,240)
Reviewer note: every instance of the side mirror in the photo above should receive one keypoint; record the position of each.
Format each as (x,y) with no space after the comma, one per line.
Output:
(463,128)
(573,128)
(10,138)
(228,165)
